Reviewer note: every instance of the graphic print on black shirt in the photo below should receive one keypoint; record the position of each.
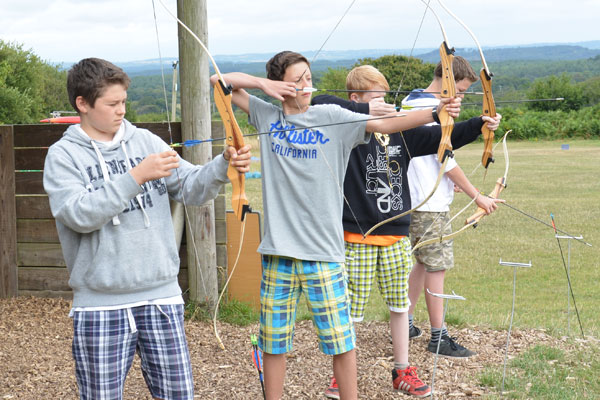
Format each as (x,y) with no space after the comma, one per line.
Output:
(384,178)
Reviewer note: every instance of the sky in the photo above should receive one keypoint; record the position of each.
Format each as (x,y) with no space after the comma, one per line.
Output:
(124,30)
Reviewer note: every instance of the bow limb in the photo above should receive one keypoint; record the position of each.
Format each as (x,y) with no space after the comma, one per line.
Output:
(489,109)
(448,91)
(500,185)
(489,106)
(234,136)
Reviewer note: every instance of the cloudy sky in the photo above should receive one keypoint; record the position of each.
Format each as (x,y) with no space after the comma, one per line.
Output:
(124,30)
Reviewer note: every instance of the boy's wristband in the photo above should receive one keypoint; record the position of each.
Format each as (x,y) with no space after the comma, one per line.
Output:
(435,116)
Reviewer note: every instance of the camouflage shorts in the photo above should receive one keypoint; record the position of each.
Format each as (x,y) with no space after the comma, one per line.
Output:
(427,225)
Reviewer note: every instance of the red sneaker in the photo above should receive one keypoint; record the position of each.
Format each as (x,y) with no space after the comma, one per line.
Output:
(407,381)
(333,392)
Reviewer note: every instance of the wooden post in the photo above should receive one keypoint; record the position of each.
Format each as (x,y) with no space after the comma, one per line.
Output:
(195,124)
(8,215)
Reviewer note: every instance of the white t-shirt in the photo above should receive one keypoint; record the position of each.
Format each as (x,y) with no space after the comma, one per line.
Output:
(423,171)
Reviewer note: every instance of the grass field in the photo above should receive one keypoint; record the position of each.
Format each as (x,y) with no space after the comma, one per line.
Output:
(542,179)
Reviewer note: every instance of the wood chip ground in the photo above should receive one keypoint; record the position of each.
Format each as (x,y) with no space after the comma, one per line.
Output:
(36,362)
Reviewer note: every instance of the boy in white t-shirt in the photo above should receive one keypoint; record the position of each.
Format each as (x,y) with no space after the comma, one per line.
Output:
(430,219)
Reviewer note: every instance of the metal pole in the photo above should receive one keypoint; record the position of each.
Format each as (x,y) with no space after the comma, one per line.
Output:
(569,277)
(447,297)
(512,311)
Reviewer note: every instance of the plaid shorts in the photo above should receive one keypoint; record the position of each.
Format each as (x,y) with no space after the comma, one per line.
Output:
(105,342)
(392,265)
(428,225)
(324,285)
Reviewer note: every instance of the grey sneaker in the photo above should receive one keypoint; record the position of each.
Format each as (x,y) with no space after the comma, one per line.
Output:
(414,332)
(449,348)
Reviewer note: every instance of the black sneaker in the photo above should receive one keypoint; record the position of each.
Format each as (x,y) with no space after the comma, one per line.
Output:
(414,332)
(449,348)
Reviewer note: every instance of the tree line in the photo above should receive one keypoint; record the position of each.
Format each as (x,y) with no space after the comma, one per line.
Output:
(30,89)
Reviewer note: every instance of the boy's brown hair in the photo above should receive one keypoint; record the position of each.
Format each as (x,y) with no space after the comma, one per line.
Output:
(277,65)
(90,76)
(461,69)
(365,77)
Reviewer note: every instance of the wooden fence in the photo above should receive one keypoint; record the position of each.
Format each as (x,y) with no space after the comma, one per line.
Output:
(31,261)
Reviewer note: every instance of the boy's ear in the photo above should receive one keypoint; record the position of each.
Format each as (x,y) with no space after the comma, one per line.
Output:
(82,104)
(354,97)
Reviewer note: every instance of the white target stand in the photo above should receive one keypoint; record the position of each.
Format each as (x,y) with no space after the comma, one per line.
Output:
(447,297)
(515,265)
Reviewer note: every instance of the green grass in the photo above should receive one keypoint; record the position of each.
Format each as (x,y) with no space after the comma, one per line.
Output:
(231,311)
(542,179)
(546,373)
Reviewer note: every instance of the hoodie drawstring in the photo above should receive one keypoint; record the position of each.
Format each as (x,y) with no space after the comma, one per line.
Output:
(104,169)
(138,197)
(115,219)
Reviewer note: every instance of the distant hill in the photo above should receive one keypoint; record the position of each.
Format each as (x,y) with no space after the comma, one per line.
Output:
(335,55)
(254,63)
(550,52)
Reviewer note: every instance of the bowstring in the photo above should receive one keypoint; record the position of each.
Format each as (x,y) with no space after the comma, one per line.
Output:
(329,36)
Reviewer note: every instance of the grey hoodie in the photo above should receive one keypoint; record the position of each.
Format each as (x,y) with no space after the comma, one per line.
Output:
(117,237)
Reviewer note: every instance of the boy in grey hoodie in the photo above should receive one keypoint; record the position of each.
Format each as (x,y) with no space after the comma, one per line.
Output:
(109,185)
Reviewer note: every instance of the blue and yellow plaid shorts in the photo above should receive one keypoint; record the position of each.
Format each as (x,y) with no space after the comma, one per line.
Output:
(391,264)
(324,285)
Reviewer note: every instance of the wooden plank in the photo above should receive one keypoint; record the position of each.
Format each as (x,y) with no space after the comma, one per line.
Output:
(29,183)
(34,206)
(48,278)
(40,255)
(44,135)
(162,129)
(244,285)
(8,215)
(57,279)
(30,158)
(37,231)
(41,135)
(50,254)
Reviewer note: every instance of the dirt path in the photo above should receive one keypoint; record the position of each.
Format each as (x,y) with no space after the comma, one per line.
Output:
(36,363)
